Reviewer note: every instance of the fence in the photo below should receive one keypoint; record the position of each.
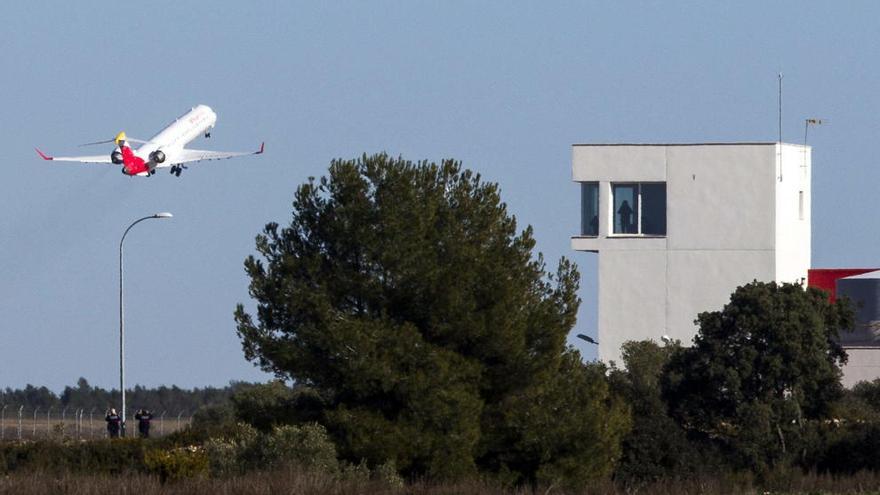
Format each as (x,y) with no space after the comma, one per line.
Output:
(22,423)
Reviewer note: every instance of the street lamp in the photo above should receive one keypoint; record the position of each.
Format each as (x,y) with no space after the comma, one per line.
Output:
(122,313)
(587,338)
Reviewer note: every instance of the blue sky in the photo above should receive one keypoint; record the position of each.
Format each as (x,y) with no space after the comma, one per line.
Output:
(506,87)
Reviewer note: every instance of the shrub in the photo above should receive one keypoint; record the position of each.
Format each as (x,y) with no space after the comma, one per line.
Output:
(226,454)
(306,445)
(223,458)
(849,449)
(213,420)
(97,457)
(387,473)
(176,464)
(355,473)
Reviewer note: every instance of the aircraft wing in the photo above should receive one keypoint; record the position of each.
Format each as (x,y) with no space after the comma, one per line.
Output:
(189,156)
(82,159)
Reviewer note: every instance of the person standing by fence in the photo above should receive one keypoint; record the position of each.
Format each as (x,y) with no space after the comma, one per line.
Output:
(143,417)
(113,422)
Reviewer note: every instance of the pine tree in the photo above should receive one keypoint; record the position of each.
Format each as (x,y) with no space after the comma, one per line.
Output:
(403,294)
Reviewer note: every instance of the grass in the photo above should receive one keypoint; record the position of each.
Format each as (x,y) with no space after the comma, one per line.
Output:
(296,482)
(289,482)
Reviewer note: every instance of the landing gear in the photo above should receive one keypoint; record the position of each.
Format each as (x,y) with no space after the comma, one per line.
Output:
(207,134)
(177,169)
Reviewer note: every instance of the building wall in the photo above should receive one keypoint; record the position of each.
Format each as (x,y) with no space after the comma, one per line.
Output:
(702,280)
(793,250)
(632,298)
(720,197)
(863,365)
(724,208)
(861,346)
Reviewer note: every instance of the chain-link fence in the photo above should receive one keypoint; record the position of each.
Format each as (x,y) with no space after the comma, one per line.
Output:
(25,423)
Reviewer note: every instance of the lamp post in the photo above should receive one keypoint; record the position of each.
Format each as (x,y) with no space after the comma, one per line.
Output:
(122,314)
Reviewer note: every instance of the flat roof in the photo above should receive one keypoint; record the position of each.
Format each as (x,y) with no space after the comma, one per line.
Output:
(873,275)
(755,143)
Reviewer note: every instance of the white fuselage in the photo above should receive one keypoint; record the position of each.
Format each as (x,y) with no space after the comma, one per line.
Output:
(178,134)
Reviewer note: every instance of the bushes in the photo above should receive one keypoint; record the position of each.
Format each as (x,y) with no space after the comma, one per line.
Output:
(226,454)
(177,464)
(96,457)
(212,420)
(240,450)
(306,445)
(246,449)
(849,449)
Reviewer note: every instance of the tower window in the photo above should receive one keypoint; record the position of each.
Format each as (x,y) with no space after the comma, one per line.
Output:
(800,205)
(590,209)
(639,208)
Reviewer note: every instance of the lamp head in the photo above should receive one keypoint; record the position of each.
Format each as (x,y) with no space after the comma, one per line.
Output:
(163,214)
(587,338)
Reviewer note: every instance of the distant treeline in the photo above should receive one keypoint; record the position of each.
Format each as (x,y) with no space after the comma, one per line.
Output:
(84,395)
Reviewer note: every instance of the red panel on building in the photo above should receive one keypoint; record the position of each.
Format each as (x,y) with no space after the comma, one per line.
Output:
(826,278)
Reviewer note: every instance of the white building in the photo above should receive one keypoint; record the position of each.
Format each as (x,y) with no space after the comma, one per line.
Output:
(677,227)
(862,345)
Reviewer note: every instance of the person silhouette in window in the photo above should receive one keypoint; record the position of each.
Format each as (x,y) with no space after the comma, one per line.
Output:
(626,218)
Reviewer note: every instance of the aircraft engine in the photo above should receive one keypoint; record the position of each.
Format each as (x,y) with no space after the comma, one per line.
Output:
(116,157)
(157,156)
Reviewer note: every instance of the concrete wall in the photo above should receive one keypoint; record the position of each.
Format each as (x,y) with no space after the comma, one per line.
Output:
(793,251)
(720,197)
(863,365)
(702,280)
(724,227)
(632,298)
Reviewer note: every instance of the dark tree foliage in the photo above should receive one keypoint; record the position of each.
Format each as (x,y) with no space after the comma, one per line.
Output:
(869,392)
(29,397)
(657,447)
(759,368)
(403,295)
(265,406)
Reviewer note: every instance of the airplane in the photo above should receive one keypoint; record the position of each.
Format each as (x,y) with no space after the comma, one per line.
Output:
(165,149)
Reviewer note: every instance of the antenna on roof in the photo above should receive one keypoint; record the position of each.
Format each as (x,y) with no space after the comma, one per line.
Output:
(807,124)
(780,108)
(779,146)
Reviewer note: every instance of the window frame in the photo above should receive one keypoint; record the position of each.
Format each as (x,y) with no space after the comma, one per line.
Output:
(598,210)
(638,212)
(800,205)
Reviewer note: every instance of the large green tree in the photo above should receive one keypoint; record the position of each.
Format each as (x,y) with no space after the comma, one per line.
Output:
(657,447)
(404,295)
(759,368)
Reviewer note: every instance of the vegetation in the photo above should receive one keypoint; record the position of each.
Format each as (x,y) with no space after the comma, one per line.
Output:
(420,348)
(85,395)
(759,371)
(657,447)
(402,295)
